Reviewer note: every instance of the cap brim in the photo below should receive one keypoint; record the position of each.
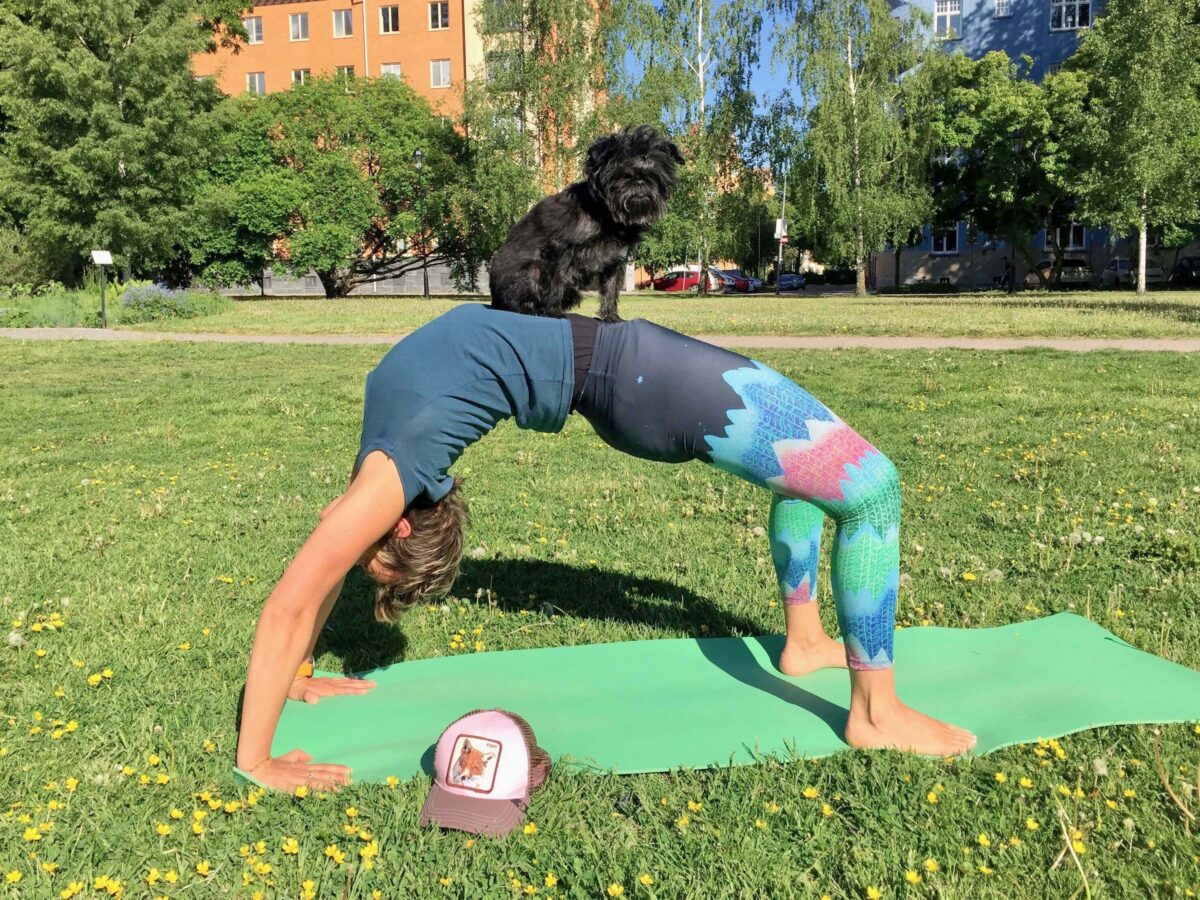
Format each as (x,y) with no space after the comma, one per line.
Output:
(477,815)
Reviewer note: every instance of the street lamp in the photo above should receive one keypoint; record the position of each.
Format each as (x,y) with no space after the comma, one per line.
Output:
(419,163)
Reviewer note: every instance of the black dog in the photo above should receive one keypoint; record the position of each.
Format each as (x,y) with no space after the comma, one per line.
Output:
(588,231)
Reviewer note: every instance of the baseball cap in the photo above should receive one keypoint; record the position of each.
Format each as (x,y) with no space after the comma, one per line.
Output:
(486,767)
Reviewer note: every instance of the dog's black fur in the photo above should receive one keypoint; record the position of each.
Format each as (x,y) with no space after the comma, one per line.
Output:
(587,232)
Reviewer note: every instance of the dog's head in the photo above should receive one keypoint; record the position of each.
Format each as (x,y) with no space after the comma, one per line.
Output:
(633,172)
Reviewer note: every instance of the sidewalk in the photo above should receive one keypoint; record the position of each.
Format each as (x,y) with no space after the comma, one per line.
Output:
(819,342)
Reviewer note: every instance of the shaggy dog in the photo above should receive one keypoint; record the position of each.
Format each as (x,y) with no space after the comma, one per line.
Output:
(586,233)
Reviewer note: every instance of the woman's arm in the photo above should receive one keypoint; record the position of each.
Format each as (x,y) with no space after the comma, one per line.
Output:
(288,623)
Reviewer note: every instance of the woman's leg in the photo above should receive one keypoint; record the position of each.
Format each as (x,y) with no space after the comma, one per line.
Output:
(794,528)
(786,440)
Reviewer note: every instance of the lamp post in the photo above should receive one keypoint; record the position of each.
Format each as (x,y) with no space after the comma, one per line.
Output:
(419,163)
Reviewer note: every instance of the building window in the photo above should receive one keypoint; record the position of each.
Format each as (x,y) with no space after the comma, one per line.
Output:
(1070,237)
(439,16)
(256,82)
(390,70)
(498,66)
(439,73)
(1067,15)
(343,23)
(501,16)
(310,281)
(946,240)
(253,26)
(947,18)
(343,72)
(1003,9)
(298,22)
(300,76)
(389,20)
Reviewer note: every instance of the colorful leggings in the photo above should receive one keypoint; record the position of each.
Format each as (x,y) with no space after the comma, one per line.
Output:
(660,395)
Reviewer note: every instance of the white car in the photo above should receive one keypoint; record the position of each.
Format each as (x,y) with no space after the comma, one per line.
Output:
(1121,271)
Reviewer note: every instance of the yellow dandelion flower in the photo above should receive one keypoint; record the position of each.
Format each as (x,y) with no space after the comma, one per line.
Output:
(203,867)
(760,823)
(645,879)
(826,810)
(1078,847)
(931,797)
(551,879)
(351,812)
(912,876)
(291,846)
(984,840)
(232,806)
(968,576)
(931,865)
(162,829)
(530,828)
(392,781)
(32,834)
(171,877)
(93,680)
(72,889)
(811,793)
(1001,777)
(12,876)
(772,807)
(302,791)
(615,889)
(873,893)
(1032,824)
(1025,782)
(986,870)
(530,890)
(695,806)
(1129,792)
(49,867)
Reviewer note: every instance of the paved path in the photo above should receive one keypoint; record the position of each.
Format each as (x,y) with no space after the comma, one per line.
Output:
(1177,345)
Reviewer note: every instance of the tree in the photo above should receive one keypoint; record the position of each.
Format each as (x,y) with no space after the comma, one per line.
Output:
(104,126)
(861,176)
(1001,162)
(1134,128)
(322,177)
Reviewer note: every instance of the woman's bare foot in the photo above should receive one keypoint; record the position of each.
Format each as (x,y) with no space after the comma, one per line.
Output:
(878,719)
(800,658)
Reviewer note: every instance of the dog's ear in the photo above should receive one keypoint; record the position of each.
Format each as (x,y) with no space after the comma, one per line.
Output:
(599,154)
(675,154)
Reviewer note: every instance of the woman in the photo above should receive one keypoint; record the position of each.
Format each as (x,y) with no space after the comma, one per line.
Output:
(647,391)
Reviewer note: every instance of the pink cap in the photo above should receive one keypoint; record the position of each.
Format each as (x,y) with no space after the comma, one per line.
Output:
(486,767)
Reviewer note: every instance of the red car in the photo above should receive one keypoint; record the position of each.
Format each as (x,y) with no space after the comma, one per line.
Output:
(682,280)
(741,283)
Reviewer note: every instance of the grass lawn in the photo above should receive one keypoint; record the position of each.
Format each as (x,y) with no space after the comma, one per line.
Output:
(151,495)
(1108,314)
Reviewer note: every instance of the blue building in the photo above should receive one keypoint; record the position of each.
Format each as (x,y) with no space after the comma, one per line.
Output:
(1048,31)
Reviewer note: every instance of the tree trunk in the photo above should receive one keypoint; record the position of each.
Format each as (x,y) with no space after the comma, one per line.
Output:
(860,271)
(1142,227)
(335,283)
(897,264)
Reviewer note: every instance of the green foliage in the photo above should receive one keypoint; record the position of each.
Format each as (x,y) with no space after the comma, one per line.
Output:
(104,126)
(322,177)
(1132,109)
(861,165)
(55,307)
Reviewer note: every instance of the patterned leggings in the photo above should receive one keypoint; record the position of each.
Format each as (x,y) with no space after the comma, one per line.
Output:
(660,395)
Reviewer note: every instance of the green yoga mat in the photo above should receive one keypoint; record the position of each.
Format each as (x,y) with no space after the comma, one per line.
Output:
(649,706)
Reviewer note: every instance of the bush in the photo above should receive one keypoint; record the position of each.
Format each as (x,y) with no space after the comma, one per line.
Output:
(145,302)
(24,306)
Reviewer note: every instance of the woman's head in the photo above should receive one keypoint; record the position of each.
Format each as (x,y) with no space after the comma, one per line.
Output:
(420,561)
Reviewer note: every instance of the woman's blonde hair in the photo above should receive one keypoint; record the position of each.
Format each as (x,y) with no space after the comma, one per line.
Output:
(426,562)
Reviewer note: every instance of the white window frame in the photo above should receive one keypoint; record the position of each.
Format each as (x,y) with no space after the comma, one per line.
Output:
(343,23)
(257,86)
(1070,10)
(298,26)
(1003,9)
(1072,228)
(343,71)
(945,236)
(443,15)
(391,70)
(253,35)
(945,12)
(301,76)
(389,20)
(436,65)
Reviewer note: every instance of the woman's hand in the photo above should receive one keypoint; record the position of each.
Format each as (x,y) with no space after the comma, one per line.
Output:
(294,768)
(311,690)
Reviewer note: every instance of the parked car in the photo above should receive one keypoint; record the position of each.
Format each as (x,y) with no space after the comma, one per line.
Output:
(752,284)
(1075,273)
(1121,271)
(791,281)
(1186,272)
(685,280)
(721,281)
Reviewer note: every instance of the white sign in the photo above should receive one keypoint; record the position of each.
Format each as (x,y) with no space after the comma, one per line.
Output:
(102,257)
(780,228)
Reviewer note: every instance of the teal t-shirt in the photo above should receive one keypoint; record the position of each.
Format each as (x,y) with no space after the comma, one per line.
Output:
(448,383)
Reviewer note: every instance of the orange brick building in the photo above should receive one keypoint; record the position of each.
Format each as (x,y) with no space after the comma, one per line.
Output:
(432,44)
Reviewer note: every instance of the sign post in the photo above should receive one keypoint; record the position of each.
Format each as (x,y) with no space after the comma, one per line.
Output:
(102,258)
(781,234)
